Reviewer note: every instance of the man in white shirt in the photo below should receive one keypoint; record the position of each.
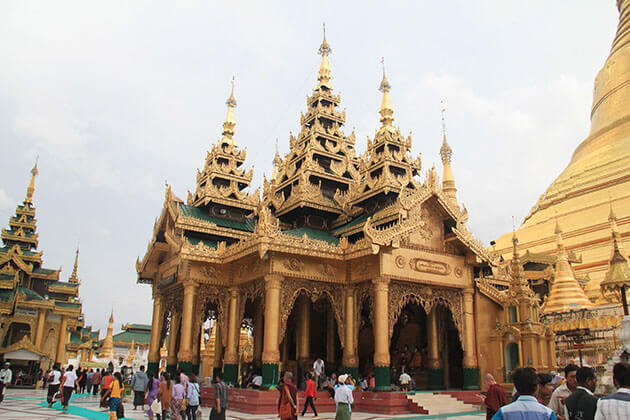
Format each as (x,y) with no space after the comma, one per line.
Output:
(257,381)
(617,405)
(69,383)
(404,380)
(561,393)
(318,369)
(54,379)
(6,375)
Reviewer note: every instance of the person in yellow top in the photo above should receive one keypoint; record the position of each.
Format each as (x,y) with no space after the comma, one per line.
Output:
(114,392)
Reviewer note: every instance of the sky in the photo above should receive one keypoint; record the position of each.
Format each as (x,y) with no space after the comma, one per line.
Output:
(117,97)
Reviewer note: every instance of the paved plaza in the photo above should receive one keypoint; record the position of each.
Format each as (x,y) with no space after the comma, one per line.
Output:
(31,404)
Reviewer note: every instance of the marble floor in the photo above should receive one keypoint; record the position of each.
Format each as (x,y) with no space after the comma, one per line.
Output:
(31,404)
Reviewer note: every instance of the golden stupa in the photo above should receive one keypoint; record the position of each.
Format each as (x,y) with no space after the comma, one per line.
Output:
(107,349)
(599,172)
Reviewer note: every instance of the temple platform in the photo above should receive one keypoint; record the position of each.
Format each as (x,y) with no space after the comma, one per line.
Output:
(389,403)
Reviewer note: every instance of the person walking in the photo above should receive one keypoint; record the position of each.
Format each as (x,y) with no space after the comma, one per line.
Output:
(54,378)
(343,399)
(69,384)
(582,404)
(561,393)
(152,392)
(88,381)
(165,392)
(309,394)
(96,381)
(179,393)
(318,369)
(495,396)
(114,393)
(526,407)
(193,393)
(139,384)
(81,380)
(288,401)
(6,374)
(404,380)
(105,384)
(617,405)
(220,398)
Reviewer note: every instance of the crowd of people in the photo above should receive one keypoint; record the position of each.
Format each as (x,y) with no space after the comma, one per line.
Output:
(541,396)
(177,398)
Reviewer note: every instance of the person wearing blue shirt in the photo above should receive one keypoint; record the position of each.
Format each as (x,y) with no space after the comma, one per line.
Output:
(526,407)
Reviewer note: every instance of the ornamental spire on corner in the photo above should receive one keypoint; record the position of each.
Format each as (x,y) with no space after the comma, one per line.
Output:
(74,278)
(448,181)
(387,110)
(324,66)
(230,121)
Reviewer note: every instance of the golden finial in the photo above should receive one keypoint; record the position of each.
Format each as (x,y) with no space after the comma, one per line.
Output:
(230,121)
(611,215)
(445,151)
(74,277)
(31,186)
(387,110)
(324,67)
(558,229)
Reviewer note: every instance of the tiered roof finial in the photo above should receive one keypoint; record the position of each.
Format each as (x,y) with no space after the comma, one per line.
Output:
(617,278)
(74,278)
(448,181)
(31,186)
(387,110)
(324,67)
(230,121)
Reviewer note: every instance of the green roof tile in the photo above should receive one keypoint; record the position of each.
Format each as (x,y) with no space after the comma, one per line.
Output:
(313,234)
(197,213)
(352,223)
(195,241)
(64,283)
(129,336)
(67,304)
(30,294)
(6,295)
(44,271)
(26,252)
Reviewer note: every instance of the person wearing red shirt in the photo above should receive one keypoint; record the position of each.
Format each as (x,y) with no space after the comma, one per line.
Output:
(495,397)
(309,394)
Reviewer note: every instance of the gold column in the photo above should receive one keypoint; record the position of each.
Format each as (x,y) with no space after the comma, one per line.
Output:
(173,335)
(39,331)
(470,354)
(185,345)
(258,334)
(156,329)
(231,350)
(61,340)
(434,362)
(350,358)
(271,353)
(304,328)
(381,324)
(330,338)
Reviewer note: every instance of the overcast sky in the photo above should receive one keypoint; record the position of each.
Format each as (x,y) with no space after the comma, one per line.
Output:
(117,97)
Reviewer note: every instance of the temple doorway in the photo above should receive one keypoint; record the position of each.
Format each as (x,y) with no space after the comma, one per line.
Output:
(311,333)
(512,360)
(408,345)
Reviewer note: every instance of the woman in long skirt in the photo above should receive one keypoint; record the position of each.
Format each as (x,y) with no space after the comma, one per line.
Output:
(152,388)
(343,399)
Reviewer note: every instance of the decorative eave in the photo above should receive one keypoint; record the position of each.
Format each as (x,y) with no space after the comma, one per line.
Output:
(488,290)
(67,289)
(20,236)
(24,344)
(467,238)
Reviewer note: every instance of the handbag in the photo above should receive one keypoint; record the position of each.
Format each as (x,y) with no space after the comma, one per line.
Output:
(156,407)
(184,404)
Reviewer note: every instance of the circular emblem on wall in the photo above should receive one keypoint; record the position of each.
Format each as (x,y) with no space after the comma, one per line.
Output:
(400,261)
(459,271)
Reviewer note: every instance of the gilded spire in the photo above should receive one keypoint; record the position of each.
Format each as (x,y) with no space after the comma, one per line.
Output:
(74,278)
(566,293)
(324,66)
(387,110)
(618,275)
(448,181)
(107,348)
(230,121)
(31,186)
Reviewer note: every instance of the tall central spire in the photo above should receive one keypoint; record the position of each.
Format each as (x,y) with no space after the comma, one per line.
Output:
(31,186)
(448,181)
(324,67)
(387,109)
(74,278)
(230,121)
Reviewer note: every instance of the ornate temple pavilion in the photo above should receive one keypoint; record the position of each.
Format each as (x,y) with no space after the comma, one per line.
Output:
(598,173)
(350,258)
(38,313)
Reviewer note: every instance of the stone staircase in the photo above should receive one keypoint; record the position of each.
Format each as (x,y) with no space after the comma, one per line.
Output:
(440,403)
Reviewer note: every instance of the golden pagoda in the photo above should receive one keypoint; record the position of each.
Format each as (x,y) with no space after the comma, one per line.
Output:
(356,251)
(566,293)
(617,278)
(107,347)
(34,304)
(599,169)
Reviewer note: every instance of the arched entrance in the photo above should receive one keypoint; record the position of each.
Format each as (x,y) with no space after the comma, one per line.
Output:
(408,345)
(512,360)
